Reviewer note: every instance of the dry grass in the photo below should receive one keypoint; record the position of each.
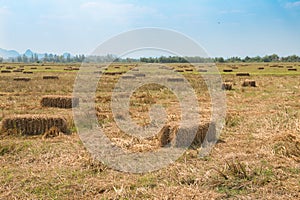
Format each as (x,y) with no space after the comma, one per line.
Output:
(258,158)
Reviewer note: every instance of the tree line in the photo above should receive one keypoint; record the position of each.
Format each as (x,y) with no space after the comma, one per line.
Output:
(176,59)
(163,59)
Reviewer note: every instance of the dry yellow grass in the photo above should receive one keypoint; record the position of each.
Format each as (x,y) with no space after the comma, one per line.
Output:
(256,158)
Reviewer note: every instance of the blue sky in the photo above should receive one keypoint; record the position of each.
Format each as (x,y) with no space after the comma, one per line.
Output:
(223,27)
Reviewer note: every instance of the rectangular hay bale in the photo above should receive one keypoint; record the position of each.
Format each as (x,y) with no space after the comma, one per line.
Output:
(33,124)
(59,101)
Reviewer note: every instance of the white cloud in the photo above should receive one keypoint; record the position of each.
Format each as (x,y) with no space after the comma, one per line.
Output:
(295,4)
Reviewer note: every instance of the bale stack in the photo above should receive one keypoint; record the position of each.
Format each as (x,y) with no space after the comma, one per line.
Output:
(249,83)
(59,101)
(33,124)
(50,77)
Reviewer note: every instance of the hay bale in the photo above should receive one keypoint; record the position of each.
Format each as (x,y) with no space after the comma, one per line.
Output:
(234,67)
(179,70)
(274,66)
(242,74)
(68,69)
(175,80)
(59,101)
(202,70)
(128,77)
(75,68)
(10,67)
(292,69)
(50,77)
(164,136)
(140,75)
(113,73)
(47,68)
(5,71)
(18,70)
(227,70)
(180,137)
(33,124)
(33,67)
(22,79)
(27,72)
(249,83)
(289,67)
(227,86)
(189,70)
(261,68)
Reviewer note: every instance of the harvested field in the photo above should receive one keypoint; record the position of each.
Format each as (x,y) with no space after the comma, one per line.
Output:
(256,156)
(59,101)
(32,124)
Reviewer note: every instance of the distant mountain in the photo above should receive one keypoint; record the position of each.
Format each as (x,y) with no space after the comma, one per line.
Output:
(28,53)
(8,53)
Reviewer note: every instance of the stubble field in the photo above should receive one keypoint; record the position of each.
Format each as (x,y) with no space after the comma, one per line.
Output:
(257,156)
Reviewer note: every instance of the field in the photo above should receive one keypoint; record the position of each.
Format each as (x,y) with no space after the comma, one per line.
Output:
(257,155)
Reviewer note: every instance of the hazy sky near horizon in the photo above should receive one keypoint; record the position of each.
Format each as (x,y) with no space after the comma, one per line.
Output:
(223,27)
